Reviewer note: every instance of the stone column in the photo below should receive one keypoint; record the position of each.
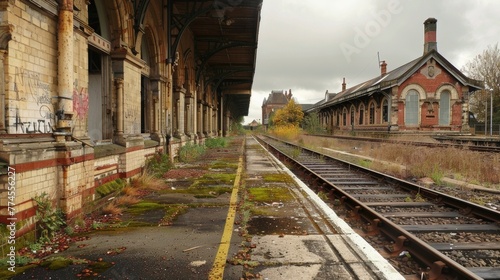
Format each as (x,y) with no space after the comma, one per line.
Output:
(65,78)
(119,105)
(188,119)
(206,119)
(199,122)
(180,110)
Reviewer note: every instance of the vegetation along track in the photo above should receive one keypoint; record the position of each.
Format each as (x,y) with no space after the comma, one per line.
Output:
(423,232)
(484,145)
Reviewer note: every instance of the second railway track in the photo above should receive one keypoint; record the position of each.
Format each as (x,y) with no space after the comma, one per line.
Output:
(442,236)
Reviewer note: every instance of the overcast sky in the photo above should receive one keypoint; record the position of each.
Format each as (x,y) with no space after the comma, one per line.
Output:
(309,46)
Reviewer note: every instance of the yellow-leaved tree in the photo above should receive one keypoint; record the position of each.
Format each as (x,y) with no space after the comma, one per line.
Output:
(291,114)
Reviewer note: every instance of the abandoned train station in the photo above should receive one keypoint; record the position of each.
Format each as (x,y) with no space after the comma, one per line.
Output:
(425,95)
(91,88)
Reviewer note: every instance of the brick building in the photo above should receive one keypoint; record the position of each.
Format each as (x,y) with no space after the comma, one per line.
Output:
(91,88)
(276,100)
(425,94)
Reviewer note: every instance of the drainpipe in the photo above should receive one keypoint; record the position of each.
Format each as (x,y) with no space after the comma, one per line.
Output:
(64,108)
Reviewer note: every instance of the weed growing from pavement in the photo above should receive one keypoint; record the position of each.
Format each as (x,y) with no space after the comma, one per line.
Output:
(223,165)
(112,209)
(172,211)
(190,152)
(49,220)
(54,263)
(218,142)
(270,194)
(277,177)
(143,206)
(245,212)
(214,179)
(158,165)
(201,192)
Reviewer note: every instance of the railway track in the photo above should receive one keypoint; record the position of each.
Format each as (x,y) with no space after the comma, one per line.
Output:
(446,142)
(447,237)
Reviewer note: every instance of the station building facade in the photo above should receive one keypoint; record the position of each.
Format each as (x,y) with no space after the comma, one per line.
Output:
(90,89)
(427,94)
(276,100)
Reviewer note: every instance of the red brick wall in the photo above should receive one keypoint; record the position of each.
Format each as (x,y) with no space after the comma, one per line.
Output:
(430,119)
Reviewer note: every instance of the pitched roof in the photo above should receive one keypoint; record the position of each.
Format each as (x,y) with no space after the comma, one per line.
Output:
(276,97)
(397,76)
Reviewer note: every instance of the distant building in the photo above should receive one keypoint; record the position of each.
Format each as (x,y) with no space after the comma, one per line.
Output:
(276,100)
(253,125)
(425,94)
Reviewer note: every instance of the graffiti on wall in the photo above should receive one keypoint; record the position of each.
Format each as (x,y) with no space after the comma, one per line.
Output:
(28,86)
(80,103)
(27,82)
(41,125)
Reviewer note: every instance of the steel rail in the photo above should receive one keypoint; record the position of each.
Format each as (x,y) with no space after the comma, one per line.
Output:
(439,263)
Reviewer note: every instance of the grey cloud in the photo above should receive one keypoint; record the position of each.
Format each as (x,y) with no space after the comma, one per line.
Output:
(300,43)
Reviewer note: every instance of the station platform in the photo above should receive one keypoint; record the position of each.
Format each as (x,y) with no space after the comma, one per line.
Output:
(269,225)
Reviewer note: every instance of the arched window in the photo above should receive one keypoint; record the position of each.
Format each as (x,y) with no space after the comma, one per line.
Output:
(344,117)
(411,108)
(361,114)
(385,111)
(372,113)
(444,108)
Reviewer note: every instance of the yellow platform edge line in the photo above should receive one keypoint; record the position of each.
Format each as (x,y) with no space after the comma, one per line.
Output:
(217,271)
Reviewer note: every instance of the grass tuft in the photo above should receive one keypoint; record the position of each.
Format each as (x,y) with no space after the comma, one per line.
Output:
(112,209)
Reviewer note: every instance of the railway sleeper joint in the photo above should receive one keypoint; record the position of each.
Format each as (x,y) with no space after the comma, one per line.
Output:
(372,228)
(437,271)
(354,213)
(397,247)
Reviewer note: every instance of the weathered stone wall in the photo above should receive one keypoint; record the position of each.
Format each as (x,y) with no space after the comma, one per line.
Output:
(32,70)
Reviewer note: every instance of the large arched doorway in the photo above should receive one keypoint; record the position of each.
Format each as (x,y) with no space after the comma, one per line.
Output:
(100,125)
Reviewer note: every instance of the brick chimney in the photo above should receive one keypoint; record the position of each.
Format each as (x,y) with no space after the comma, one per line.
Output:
(430,42)
(383,68)
(343,84)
